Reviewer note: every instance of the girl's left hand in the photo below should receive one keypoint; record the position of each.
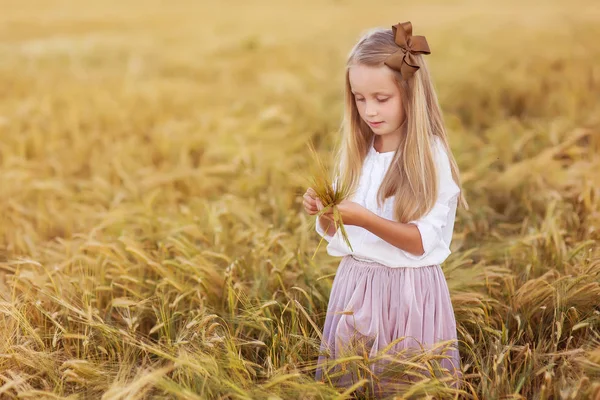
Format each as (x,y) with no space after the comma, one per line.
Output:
(352,213)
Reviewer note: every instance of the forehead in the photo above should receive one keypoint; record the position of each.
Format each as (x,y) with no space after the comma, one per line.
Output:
(366,79)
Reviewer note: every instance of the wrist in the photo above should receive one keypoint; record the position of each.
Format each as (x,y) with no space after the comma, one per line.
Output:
(365,218)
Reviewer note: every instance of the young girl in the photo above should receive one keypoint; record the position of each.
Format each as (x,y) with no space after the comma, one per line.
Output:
(405,183)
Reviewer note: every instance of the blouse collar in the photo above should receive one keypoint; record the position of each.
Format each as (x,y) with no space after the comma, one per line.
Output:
(387,155)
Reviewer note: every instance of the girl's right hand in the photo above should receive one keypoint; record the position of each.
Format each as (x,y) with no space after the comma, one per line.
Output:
(310,202)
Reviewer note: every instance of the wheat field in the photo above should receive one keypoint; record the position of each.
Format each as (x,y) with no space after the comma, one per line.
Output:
(152,238)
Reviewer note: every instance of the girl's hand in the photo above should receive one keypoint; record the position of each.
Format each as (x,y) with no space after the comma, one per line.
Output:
(352,213)
(309,202)
(328,215)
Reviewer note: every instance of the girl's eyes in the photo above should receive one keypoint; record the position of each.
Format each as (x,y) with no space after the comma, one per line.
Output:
(379,100)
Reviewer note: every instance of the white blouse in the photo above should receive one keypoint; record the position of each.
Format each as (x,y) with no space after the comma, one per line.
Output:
(435,227)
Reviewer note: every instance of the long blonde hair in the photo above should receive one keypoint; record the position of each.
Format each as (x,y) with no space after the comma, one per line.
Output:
(412,175)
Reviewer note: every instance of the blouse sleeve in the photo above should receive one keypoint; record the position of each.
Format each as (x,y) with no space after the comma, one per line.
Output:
(432,224)
(320,230)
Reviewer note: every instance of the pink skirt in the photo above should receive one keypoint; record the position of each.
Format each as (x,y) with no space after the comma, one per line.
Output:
(370,306)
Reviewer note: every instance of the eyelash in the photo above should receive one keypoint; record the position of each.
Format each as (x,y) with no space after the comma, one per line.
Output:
(381,101)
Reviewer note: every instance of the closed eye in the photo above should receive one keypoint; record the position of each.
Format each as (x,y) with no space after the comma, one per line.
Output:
(379,100)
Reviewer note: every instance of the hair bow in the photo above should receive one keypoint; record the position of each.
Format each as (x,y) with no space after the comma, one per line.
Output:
(403,60)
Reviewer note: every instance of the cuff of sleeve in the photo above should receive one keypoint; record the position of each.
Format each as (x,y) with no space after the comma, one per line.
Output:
(321,232)
(428,239)
(430,228)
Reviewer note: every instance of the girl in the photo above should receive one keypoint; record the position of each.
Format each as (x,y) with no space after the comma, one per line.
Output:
(405,183)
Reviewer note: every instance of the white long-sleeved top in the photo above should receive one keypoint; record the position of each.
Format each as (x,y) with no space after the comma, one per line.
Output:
(435,227)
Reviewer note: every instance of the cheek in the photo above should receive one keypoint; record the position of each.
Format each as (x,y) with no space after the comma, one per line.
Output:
(394,109)
(360,106)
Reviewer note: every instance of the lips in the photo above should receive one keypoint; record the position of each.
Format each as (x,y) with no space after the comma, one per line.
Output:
(375,123)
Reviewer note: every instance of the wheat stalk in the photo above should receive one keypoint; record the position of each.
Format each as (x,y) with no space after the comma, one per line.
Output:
(321,182)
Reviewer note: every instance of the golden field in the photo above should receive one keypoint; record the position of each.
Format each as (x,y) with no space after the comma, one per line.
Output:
(152,237)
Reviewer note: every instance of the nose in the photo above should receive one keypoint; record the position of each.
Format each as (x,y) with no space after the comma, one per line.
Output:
(370,110)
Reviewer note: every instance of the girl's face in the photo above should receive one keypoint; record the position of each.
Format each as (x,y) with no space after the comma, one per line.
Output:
(377,98)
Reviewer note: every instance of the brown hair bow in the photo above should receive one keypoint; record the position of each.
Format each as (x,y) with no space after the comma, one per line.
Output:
(403,60)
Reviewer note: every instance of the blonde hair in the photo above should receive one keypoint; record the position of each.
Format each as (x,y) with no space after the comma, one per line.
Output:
(412,175)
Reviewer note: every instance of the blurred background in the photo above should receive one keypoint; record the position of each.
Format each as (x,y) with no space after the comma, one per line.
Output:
(152,237)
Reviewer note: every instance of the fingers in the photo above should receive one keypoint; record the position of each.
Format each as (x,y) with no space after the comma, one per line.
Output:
(328,215)
(312,204)
(318,204)
(309,202)
(329,219)
(309,208)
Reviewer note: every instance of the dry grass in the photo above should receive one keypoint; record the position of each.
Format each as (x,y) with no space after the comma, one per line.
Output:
(331,194)
(152,239)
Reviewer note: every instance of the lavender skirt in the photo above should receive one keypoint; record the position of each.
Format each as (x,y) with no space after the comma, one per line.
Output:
(370,306)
